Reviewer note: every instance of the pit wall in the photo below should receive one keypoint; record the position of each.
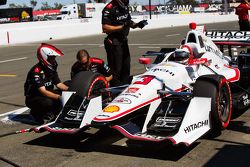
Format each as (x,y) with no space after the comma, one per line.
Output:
(42,31)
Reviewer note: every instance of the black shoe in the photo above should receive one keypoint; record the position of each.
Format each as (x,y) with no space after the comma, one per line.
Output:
(36,117)
(49,117)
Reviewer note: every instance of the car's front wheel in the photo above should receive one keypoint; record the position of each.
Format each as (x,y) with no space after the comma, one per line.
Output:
(221,100)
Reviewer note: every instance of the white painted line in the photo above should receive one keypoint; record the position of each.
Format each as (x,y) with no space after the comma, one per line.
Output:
(171,35)
(149,47)
(12,115)
(19,111)
(17,59)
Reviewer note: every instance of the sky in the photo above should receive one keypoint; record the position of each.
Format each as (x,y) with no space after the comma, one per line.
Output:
(51,2)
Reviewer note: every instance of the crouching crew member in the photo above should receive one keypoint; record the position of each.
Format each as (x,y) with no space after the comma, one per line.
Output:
(86,63)
(41,97)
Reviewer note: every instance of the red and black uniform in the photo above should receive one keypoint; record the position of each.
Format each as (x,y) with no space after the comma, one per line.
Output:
(242,12)
(116,43)
(96,65)
(39,104)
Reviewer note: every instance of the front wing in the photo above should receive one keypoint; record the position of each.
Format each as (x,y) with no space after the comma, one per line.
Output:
(195,123)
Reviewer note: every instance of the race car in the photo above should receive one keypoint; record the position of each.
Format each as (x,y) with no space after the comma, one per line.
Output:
(184,93)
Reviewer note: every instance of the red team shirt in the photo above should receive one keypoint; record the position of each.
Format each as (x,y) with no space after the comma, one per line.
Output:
(242,11)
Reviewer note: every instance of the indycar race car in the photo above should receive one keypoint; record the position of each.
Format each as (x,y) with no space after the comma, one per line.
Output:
(184,93)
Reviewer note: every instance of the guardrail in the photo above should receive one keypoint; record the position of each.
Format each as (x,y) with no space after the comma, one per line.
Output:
(29,32)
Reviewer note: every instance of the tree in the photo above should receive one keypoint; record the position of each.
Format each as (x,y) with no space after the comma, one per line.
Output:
(207,1)
(24,6)
(58,5)
(33,3)
(45,6)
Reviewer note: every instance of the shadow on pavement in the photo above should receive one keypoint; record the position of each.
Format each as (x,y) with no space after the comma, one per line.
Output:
(239,126)
(104,141)
(162,151)
(231,156)
(21,118)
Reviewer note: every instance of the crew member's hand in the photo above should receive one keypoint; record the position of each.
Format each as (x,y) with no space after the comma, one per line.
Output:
(59,98)
(128,23)
(142,24)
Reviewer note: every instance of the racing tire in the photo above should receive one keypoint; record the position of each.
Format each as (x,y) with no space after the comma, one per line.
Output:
(88,84)
(218,89)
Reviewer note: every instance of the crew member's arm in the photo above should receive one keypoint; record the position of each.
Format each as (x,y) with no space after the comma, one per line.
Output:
(106,71)
(56,81)
(62,86)
(107,23)
(106,28)
(48,93)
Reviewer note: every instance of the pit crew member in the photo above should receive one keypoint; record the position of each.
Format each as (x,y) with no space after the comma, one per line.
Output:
(86,63)
(116,23)
(40,95)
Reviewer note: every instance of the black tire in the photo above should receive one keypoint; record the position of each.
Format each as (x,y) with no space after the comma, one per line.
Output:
(221,105)
(87,83)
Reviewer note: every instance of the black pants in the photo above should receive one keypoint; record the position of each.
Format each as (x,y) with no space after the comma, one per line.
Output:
(40,106)
(244,25)
(118,57)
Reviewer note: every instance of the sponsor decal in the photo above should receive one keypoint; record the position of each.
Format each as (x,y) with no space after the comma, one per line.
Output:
(162,70)
(246,100)
(167,122)
(122,100)
(47,84)
(197,125)
(210,49)
(111,109)
(123,17)
(150,136)
(144,80)
(126,94)
(226,35)
(132,90)
(75,115)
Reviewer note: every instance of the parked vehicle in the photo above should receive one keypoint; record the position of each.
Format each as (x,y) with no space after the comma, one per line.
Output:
(76,11)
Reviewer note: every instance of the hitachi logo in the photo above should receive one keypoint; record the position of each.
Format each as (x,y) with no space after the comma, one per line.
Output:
(195,126)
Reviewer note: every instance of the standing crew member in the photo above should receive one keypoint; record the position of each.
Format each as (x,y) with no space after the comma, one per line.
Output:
(242,12)
(41,97)
(116,23)
(87,63)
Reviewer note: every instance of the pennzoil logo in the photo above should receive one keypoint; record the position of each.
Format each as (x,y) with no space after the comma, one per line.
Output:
(111,109)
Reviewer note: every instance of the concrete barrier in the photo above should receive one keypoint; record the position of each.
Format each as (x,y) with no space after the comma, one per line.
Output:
(28,32)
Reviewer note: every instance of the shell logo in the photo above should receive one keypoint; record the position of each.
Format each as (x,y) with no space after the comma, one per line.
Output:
(111,109)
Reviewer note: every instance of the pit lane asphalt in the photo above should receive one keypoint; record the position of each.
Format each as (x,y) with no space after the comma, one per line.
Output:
(107,147)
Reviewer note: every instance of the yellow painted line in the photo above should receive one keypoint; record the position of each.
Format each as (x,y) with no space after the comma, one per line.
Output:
(8,75)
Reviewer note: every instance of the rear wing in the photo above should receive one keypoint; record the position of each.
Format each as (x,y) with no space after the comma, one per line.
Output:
(229,38)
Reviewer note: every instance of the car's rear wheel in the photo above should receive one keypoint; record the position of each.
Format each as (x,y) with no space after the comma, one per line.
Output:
(87,83)
(221,100)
